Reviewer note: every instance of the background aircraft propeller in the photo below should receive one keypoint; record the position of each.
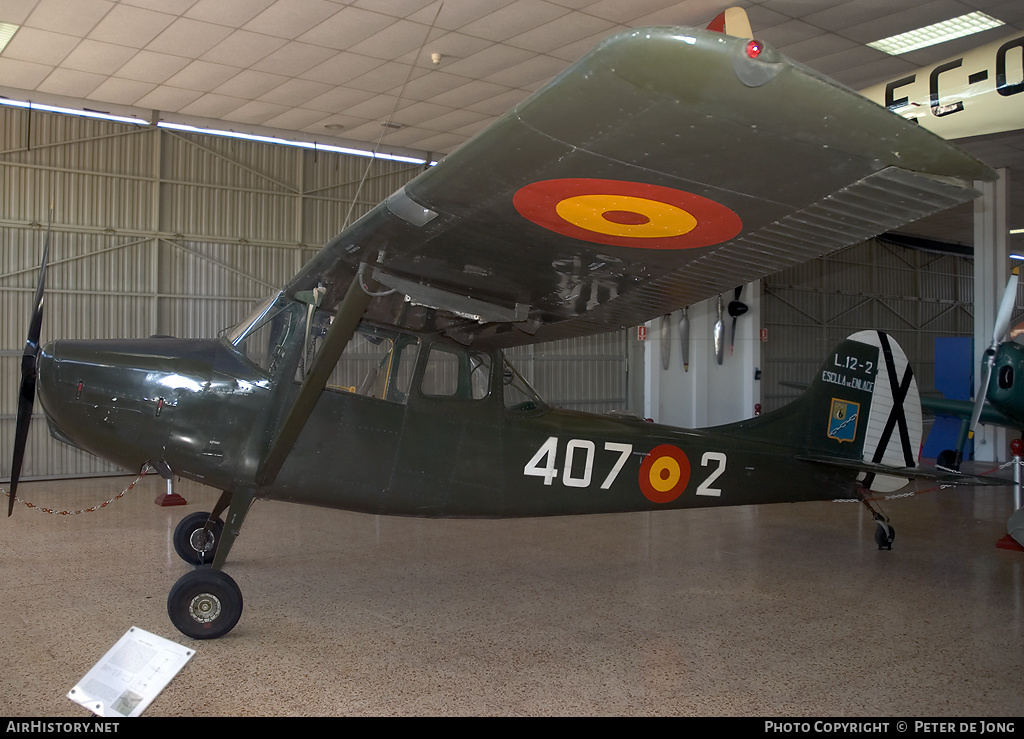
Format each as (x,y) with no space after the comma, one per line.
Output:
(684,338)
(29,372)
(666,340)
(736,309)
(719,333)
(1002,325)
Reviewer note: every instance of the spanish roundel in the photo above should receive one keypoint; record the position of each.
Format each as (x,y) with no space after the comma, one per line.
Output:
(622,213)
(664,474)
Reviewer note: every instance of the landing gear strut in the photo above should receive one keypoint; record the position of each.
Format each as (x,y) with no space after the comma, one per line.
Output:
(206,603)
(884,533)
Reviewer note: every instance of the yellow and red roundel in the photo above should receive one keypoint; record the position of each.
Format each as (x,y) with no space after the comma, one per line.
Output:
(632,214)
(664,474)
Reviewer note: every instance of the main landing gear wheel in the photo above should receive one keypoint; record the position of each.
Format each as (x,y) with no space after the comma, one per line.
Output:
(204,604)
(194,545)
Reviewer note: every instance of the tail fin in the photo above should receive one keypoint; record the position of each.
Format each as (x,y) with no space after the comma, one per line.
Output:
(867,391)
(862,411)
(733,22)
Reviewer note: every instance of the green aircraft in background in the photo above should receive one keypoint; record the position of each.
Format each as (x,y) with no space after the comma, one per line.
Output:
(667,166)
(1000,400)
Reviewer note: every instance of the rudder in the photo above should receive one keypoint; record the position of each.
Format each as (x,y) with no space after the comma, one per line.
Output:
(869,394)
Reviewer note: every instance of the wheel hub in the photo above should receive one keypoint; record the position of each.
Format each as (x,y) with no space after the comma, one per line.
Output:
(201,540)
(205,608)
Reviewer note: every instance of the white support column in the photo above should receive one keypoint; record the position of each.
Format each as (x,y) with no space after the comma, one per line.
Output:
(991,270)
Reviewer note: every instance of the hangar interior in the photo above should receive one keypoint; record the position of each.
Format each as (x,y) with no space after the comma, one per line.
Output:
(176,231)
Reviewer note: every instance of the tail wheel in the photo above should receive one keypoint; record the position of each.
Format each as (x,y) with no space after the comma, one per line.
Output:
(192,543)
(884,534)
(204,604)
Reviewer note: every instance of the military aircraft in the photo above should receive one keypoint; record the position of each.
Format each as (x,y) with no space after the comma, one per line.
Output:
(999,400)
(974,93)
(971,94)
(665,167)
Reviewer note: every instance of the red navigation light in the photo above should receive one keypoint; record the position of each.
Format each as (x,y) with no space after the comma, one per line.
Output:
(754,49)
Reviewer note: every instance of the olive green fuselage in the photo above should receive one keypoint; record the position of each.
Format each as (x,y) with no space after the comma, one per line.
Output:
(207,413)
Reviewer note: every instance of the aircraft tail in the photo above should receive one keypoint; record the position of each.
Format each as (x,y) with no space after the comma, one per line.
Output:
(862,411)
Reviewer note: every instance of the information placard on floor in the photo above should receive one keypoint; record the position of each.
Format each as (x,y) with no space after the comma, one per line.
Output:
(130,675)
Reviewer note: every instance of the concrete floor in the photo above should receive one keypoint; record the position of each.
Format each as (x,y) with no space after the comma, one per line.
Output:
(786,610)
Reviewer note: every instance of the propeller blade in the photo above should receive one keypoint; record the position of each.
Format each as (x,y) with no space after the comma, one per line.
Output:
(666,340)
(979,402)
(719,334)
(1005,309)
(29,372)
(1002,325)
(736,309)
(684,338)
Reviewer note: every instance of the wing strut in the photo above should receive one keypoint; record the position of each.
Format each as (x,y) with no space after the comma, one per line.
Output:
(347,318)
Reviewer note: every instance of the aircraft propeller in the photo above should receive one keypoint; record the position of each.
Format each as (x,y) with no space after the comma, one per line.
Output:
(736,309)
(1002,325)
(29,373)
(684,338)
(719,333)
(666,340)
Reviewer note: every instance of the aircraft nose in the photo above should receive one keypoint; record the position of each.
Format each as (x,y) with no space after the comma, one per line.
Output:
(46,367)
(1005,377)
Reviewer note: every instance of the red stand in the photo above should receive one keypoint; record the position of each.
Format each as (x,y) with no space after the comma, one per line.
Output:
(170,499)
(1008,542)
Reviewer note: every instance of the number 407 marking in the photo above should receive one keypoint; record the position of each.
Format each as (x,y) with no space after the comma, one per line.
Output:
(579,462)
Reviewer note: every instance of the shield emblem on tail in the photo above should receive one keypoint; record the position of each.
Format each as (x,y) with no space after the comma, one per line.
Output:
(842,421)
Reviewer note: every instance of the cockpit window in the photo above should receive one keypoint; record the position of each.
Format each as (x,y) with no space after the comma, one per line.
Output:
(456,373)
(377,363)
(283,336)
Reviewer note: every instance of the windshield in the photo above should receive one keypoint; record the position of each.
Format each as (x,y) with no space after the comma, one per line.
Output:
(519,395)
(263,336)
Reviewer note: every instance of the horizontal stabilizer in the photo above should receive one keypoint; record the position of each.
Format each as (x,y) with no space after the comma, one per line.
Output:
(912,473)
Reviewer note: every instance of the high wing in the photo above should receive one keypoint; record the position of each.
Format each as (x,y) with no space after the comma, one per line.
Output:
(963,409)
(665,167)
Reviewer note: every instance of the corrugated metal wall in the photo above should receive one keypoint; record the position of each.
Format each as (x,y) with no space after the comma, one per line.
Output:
(914,295)
(161,232)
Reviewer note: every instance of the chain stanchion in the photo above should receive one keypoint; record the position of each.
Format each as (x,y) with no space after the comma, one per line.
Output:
(91,509)
(1014,539)
(1017,450)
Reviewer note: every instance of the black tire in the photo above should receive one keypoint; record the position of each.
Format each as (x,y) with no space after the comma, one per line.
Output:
(188,538)
(204,604)
(884,536)
(947,460)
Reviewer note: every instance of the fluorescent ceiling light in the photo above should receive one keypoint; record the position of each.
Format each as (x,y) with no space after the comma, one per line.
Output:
(214,132)
(84,113)
(6,33)
(936,33)
(288,142)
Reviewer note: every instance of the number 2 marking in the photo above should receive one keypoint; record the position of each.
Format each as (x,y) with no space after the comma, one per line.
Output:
(705,487)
